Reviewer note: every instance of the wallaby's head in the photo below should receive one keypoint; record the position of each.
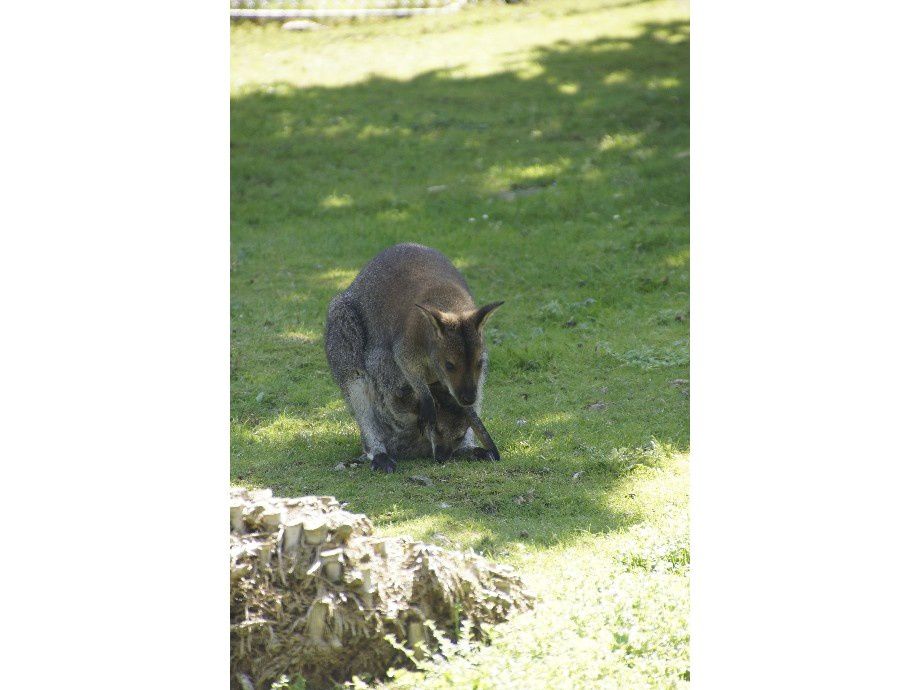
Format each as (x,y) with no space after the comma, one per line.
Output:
(456,349)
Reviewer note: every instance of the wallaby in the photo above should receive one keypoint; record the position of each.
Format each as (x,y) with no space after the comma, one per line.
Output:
(404,342)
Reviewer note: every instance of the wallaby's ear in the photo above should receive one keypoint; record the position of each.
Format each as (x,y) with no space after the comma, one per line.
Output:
(482,314)
(435,318)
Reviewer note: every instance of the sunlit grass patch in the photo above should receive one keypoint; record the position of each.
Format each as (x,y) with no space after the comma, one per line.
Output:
(336,277)
(679,260)
(617,77)
(337,201)
(622,141)
(612,612)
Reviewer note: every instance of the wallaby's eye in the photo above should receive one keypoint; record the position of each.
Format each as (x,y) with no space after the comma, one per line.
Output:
(449,366)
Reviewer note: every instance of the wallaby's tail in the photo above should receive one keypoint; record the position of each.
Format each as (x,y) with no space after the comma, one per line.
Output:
(345,340)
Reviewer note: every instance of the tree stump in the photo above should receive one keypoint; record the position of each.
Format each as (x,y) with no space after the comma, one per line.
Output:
(314,593)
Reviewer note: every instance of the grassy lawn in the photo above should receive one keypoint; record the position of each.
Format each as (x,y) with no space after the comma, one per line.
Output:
(544,148)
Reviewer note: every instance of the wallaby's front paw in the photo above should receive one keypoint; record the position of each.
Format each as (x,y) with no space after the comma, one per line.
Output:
(427,415)
(384,463)
(492,455)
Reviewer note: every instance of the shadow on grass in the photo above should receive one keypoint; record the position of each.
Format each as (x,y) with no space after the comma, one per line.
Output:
(569,124)
(540,493)
(563,176)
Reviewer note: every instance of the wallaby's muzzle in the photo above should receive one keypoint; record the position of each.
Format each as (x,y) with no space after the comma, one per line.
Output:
(466,398)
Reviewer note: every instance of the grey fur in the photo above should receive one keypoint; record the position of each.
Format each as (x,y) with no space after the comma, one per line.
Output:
(380,344)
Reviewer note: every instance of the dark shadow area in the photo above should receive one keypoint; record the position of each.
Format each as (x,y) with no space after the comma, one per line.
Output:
(561,180)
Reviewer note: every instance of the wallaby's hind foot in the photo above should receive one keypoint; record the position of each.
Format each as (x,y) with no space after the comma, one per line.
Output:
(384,463)
(441,453)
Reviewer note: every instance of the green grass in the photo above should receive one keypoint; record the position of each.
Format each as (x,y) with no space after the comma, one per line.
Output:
(543,147)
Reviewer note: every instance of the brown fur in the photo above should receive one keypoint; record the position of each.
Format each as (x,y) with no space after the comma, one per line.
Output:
(405,344)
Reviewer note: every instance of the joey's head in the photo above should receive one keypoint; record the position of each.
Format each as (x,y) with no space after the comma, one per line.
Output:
(456,349)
